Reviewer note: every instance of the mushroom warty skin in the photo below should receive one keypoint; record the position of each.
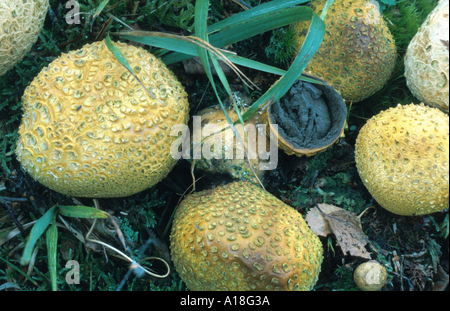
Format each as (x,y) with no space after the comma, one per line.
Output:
(240,237)
(89,128)
(402,157)
(21,22)
(358,52)
(427,59)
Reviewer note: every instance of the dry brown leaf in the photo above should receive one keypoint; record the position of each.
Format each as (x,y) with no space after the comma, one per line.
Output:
(345,225)
(347,229)
(318,224)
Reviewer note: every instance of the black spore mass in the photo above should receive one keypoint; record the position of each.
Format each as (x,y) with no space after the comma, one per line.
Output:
(309,115)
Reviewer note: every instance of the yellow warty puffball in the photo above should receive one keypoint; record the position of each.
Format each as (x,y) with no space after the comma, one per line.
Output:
(90,129)
(358,51)
(240,237)
(427,59)
(402,157)
(21,22)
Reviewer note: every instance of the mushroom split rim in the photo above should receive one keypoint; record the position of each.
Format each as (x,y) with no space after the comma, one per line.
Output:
(310,118)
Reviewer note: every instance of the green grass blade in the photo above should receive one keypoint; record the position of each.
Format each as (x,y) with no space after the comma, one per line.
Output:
(162,40)
(191,49)
(224,81)
(187,49)
(118,55)
(123,61)
(220,74)
(98,11)
(52,244)
(305,55)
(181,45)
(240,120)
(201,14)
(311,44)
(253,64)
(265,23)
(249,63)
(29,278)
(325,9)
(177,44)
(81,212)
(251,28)
(36,232)
(236,23)
(255,13)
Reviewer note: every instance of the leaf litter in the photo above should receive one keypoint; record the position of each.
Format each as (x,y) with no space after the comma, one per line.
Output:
(345,225)
(325,219)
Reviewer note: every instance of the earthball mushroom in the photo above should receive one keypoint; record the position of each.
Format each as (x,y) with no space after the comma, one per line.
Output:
(427,58)
(21,22)
(90,129)
(358,52)
(240,237)
(370,276)
(402,157)
(231,158)
(310,118)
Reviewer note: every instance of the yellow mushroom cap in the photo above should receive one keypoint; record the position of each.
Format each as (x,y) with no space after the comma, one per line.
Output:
(358,51)
(240,237)
(402,157)
(90,129)
(427,59)
(370,276)
(20,24)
